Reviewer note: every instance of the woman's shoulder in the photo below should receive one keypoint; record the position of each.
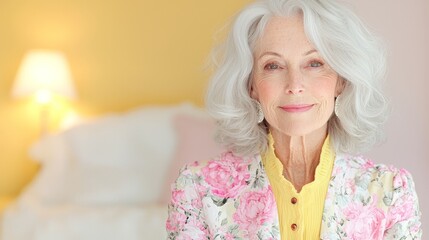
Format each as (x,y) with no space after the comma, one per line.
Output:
(363,165)
(213,169)
(224,176)
(364,171)
(360,187)
(226,159)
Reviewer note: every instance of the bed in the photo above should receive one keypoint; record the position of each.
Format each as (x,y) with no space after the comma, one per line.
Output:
(109,177)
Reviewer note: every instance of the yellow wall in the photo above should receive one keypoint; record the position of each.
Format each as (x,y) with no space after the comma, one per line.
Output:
(123,54)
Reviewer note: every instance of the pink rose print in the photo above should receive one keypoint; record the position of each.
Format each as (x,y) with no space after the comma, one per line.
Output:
(194,164)
(400,180)
(350,187)
(401,212)
(365,222)
(254,210)
(196,204)
(198,225)
(177,196)
(415,228)
(368,164)
(226,176)
(229,236)
(176,221)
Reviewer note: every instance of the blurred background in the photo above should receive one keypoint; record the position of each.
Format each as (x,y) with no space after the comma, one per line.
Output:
(131,53)
(122,54)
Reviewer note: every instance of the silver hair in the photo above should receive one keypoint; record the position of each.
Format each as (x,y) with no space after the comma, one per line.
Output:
(345,44)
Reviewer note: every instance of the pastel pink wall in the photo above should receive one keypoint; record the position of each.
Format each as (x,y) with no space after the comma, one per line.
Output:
(404,26)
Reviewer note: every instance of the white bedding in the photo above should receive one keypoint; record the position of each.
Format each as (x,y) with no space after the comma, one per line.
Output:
(72,222)
(108,179)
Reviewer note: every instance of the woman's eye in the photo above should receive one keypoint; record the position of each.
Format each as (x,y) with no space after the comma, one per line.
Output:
(271,66)
(315,64)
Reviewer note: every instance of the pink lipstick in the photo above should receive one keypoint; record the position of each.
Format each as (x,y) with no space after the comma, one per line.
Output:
(296,108)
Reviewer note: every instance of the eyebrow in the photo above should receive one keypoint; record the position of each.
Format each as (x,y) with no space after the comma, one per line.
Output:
(309,52)
(279,55)
(269,53)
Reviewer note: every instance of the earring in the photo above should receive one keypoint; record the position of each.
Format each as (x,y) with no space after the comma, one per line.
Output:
(259,112)
(337,105)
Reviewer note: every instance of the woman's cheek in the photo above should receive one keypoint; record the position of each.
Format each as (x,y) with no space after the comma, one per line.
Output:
(265,92)
(324,110)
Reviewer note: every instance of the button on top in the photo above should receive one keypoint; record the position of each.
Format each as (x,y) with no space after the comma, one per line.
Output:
(293,200)
(294,227)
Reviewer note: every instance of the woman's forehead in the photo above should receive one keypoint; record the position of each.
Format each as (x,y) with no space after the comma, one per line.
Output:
(283,34)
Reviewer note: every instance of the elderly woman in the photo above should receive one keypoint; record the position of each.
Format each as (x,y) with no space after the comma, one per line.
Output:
(296,96)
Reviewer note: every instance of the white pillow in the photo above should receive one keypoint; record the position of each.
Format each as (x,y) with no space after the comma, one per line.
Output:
(115,159)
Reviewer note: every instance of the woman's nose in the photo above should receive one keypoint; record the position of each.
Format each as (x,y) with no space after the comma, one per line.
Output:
(294,82)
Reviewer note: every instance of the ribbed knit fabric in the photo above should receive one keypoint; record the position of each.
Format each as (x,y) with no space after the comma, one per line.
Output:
(300,214)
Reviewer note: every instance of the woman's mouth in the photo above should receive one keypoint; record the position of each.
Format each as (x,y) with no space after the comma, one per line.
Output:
(297,108)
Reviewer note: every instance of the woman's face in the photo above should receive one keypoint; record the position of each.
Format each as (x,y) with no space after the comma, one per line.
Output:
(294,85)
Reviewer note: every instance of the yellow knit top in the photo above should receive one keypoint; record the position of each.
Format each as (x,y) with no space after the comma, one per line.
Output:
(300,214)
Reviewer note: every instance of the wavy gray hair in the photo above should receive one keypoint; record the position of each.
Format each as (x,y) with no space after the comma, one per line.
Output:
(341,39)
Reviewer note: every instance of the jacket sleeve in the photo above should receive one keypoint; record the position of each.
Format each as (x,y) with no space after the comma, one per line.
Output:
(185,213)
(403,216)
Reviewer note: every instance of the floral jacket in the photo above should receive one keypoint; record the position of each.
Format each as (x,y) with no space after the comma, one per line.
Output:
(231,198)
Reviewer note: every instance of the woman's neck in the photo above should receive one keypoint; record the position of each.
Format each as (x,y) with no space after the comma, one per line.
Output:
(300,155)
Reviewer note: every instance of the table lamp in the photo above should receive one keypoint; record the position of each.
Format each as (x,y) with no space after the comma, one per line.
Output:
(42,74)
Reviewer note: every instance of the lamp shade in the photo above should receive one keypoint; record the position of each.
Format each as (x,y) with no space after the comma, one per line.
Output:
(43,70)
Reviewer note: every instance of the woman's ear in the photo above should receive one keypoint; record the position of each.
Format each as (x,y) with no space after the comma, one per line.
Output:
(341,84)
(253,93)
